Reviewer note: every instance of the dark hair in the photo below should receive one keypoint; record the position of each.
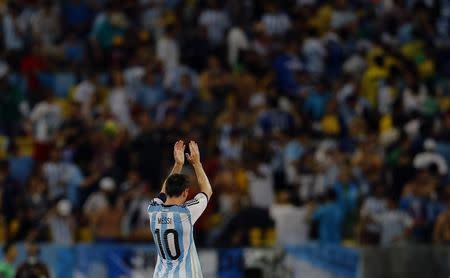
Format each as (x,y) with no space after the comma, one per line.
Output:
(8,246)
(176,184)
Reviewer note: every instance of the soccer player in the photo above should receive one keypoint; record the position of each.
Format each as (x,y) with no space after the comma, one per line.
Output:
(172,217)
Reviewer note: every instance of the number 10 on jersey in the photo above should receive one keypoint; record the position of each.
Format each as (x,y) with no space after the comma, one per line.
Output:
(164,246)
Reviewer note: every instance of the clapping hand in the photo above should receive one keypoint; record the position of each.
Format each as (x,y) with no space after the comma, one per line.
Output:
(178,152)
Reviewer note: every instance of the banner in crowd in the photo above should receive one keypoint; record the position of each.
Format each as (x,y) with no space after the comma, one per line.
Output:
(323,261)
(138,261)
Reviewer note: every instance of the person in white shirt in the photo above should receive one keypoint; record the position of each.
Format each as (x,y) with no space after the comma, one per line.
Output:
(61,224)
(414,96)
(231,145)
(215,21)
(291,222)
(315,53)
(371,207)
(45,23)
(99,200)
(119,102)
(430,157)
(84,93)
(14,28)
(58,174)
(167,49)
(395,224)
(46,117)
(172,217)
(386,96)
(375,204)
(151,14)
(342,15)
(260,185)
(276,23)
(237,41)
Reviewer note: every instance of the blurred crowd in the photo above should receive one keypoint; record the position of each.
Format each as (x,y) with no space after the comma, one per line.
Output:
(325,120)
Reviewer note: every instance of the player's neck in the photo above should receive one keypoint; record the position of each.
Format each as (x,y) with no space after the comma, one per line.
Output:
(174,201)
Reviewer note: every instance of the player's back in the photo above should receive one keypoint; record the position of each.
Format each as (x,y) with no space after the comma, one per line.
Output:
(172,230)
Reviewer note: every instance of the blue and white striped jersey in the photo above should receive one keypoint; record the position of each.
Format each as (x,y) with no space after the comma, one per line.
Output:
(172,228)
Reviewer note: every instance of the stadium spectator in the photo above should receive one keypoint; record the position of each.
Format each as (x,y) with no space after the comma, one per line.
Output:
(62,176)
(167,49)
(46,118)
(37,198)
(33,67)
(10,195)
(77,16)
(14,25)
(21,165)
(45,24)
(372,206)
(291,222)
(150,91)
(98,201)
(86,93)
(35,206)
(32,267)
(134,193)
(237,42)
(430,158)
(275,21)
(396,225)
(61,223)
(216,21)
(107,222)
(6,266)
(315,53)
(108,30)
(308,177)
(260,184)
(119,101)
(329,215)
(442,227)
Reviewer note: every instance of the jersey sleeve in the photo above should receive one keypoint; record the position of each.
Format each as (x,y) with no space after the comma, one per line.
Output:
(197,206)
(159,200)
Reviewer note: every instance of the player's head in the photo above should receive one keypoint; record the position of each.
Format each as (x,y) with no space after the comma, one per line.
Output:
(177,186)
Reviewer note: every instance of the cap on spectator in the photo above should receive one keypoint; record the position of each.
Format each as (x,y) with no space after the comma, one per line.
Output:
(429,144)
(107,184)
(64,207)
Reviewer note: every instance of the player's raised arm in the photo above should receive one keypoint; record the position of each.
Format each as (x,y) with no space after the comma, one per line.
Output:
(178,155)
(194,159)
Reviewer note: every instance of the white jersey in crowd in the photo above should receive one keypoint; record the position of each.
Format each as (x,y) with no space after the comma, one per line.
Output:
(393,223)
(172,227)
(291,224)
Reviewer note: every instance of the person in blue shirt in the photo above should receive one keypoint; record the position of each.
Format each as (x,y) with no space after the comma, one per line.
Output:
(77,15)
(316,100)
(275,119)
(329,217)
(151,92)
(347,191)
(286,65)
(20,166)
